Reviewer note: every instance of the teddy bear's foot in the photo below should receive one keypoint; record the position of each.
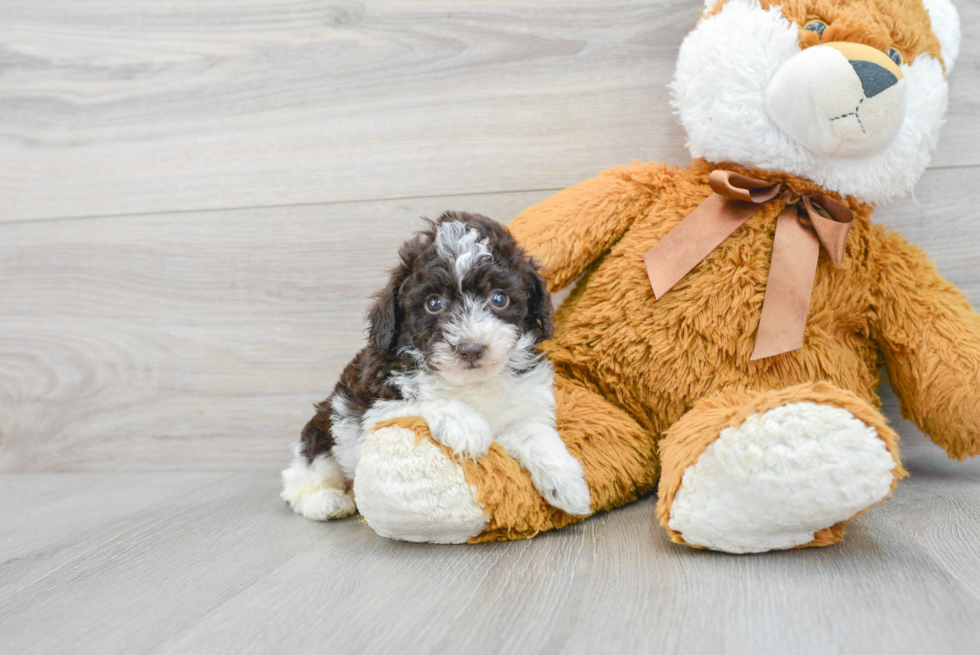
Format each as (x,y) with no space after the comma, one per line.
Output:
(756,472)
(408,487)
(317,490)
(779,478)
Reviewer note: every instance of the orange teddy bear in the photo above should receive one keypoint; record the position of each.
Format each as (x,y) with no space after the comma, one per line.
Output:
(724,334)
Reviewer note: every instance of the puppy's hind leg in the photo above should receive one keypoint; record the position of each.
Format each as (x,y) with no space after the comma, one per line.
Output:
(556,475)
(317,487)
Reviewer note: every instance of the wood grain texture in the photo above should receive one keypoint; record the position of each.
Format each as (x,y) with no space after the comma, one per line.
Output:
(133,108)
(197,340)
(188,341)
(213,562)
(197,199)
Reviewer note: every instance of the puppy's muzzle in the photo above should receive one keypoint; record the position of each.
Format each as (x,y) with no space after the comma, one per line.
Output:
(839,99)
(470,352)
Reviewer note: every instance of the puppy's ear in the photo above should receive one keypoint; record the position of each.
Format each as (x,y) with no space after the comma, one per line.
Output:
(540,311)
(385,317)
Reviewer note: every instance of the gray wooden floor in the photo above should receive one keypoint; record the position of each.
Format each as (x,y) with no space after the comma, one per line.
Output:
(196,200)
(209,562)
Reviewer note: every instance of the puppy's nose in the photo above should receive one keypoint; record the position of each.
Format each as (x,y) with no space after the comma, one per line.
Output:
(874,78)
(470,351)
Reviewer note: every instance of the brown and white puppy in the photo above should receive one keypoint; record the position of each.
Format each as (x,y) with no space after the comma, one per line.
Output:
(452,340)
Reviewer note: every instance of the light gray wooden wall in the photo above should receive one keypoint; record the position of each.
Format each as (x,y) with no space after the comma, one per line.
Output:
(197,198)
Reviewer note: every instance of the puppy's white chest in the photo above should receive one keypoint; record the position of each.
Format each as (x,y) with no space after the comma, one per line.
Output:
(492,401)
(503,400)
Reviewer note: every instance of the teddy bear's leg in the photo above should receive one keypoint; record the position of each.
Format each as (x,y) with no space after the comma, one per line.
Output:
(755,471)
(410,487)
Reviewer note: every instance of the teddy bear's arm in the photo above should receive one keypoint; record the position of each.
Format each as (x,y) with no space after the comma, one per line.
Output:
(570,230)
(930,338)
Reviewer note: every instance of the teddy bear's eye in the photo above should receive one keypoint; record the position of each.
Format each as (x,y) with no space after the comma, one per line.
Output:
(895,55)
(817,26)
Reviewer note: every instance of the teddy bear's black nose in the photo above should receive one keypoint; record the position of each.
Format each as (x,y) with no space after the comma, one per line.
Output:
(874,78)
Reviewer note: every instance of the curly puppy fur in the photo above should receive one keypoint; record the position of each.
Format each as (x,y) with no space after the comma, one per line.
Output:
(453,339)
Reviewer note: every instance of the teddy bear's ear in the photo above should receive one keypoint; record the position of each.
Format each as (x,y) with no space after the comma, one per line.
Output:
(709,5)
(946,26)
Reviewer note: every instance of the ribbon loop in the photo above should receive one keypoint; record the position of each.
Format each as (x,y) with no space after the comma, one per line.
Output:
(805,224)
(735,186)
(832,222)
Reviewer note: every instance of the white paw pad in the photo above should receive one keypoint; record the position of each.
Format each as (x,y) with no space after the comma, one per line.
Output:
(774,481)
(410,490)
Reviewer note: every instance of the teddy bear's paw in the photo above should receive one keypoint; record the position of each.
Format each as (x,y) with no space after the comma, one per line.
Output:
(317,490)
(775,480)
(407,488)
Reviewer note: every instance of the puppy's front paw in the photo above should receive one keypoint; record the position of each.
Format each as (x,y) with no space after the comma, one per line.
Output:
(556,475)
(567,492)
(463,430)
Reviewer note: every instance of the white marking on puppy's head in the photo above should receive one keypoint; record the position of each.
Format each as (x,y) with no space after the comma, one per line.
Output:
(454,241)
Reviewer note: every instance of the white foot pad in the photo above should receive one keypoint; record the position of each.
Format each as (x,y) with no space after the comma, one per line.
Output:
(771,483)
(412,491)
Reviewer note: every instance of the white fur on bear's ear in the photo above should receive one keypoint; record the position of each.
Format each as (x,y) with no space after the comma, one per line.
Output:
(709,5)
(946,26)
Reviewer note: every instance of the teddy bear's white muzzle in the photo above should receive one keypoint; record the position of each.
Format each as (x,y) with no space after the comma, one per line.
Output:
(839,99)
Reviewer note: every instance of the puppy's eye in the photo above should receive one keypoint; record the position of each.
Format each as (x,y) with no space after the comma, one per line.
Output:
(499,300)
(896,56)
(434,305)
(817,26)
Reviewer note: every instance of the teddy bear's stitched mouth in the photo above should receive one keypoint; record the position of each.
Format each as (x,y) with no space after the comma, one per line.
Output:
(855,114)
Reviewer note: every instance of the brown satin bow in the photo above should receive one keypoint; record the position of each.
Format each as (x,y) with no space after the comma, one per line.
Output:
(806,223)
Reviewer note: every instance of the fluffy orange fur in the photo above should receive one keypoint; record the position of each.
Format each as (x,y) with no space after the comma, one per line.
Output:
(657,359)
(643,385)
(881,24)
